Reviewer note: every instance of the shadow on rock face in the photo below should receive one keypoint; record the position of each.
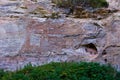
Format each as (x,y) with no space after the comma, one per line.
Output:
(91,48)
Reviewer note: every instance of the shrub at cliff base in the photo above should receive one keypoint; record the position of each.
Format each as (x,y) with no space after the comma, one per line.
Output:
(63,71)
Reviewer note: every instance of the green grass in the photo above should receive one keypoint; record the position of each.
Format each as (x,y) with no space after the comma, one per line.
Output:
(63,71)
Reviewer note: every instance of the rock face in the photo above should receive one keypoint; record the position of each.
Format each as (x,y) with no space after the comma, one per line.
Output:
(110,51)
(26,37)
(114,4)
(12,37)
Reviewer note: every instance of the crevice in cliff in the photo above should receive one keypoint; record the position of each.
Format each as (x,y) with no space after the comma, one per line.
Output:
(91,48)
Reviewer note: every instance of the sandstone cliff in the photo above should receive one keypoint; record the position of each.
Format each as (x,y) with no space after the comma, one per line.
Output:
(28,34)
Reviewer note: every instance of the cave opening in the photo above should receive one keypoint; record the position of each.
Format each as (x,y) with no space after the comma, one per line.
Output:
(91,48)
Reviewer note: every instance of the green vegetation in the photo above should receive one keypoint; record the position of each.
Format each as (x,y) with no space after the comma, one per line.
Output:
(70,70)
(84,8)
(63,71)
(82,3)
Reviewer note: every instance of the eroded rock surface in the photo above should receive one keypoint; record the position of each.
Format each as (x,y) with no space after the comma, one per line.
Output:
(25,37)
(114,4)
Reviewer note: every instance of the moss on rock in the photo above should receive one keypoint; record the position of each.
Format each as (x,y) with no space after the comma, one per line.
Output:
(83,3)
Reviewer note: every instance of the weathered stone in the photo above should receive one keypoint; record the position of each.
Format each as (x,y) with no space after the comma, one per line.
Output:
(114,4)
(111,56)
(12,38)
(31,39)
